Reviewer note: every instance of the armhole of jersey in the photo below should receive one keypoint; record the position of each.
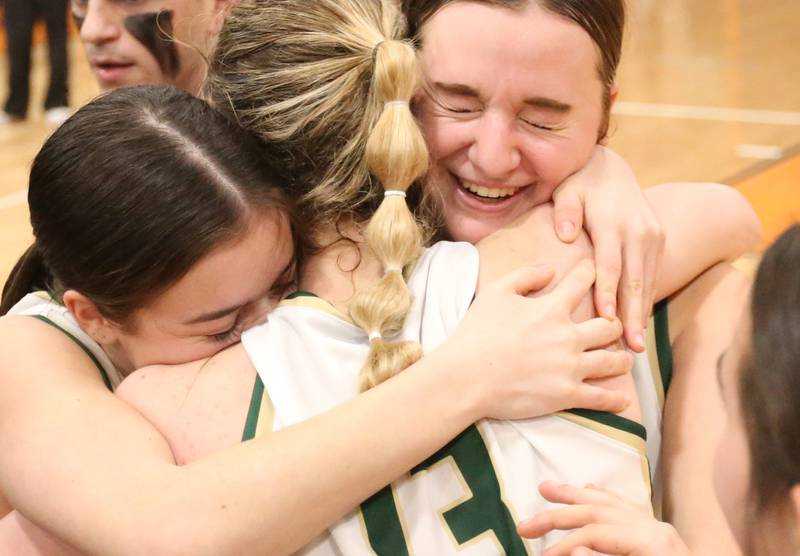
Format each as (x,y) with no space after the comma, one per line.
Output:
(663,346)
(251,424)
(612,420)
(85,350)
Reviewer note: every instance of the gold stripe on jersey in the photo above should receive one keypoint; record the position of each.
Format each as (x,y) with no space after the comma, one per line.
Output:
(659,349)
(403,522)
(633,440)
(260,415)
(362,524)
(311,301)
(652,358)
(503,496)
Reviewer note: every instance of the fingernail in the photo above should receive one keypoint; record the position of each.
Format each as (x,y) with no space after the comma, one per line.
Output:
(566,228)
(640,340)
(610,311)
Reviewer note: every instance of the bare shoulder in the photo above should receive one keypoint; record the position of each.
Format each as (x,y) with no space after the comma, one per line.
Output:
(531,238)
(199,407)
(36,357)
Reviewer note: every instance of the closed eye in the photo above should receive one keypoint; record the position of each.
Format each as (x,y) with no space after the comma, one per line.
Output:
(231,334)
(540,126)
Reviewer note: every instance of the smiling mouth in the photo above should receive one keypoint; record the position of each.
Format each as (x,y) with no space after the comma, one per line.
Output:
(488,193)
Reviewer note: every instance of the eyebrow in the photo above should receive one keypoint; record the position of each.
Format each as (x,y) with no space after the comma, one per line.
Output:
(214,315)
(456,89)
(536,102)
(548,104)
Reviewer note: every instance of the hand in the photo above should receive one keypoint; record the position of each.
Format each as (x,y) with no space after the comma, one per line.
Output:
(627,237)
(524,357)
(604,522)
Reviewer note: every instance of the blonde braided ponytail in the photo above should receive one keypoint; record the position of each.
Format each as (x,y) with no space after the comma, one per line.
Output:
(397,155)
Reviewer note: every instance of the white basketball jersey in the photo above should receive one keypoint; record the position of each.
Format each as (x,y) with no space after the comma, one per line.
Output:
(467,498)
(40,305)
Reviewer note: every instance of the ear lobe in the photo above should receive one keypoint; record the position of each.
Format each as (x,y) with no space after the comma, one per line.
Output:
(613,96)
(88,316)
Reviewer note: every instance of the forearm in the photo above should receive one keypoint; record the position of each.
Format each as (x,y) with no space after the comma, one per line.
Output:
(704,315)
(83,464)
(314,473)
(704,224)
(20,537)
(271,495)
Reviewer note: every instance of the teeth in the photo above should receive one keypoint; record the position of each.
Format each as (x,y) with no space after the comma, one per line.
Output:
(486,192)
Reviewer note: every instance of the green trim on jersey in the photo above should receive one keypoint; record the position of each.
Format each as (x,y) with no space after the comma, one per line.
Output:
(663,346)
(86,350)
(301,293)
(612,420)
(251,424)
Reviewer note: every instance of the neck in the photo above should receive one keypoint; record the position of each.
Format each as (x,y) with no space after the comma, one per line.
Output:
(346,265)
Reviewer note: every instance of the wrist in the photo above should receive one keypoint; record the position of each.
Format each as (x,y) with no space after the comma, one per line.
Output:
(454,386)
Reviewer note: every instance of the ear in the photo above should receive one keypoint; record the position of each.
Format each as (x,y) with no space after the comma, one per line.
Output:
(89,317)
(614,95)
(221,10)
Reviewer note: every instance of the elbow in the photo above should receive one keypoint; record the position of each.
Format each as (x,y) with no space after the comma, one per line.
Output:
(750,232)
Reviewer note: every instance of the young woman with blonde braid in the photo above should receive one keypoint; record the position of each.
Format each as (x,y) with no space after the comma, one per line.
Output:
(330,99)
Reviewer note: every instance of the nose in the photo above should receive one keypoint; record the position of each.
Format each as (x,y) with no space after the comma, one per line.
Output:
(99,24)
(494,152)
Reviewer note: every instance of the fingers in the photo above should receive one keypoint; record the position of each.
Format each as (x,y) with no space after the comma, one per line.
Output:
(564,519)
(598,332)
(604,363)
(568,215)
(608,258)
(607,539)
(526,279)
(598,398)
(630,294)
(569,494)
(574,286)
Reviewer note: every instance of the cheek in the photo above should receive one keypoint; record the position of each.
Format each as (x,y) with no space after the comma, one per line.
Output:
(444,137)
(554,159)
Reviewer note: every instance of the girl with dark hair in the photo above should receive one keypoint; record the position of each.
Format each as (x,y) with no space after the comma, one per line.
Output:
(138,232)
(757,464)
(161,232)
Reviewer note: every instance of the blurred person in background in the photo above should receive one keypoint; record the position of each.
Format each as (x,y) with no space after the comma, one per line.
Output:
(20,16)
(148,42)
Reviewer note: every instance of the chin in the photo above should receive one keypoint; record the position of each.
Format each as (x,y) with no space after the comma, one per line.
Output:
(470,231)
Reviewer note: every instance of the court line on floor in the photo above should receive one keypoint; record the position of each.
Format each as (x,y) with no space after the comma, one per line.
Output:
(714,113)
(14,199)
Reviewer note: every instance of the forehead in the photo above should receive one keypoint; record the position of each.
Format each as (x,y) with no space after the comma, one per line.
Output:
(480,42)
(234,272)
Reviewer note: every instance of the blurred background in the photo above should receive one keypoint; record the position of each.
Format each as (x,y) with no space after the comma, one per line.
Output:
(709,91)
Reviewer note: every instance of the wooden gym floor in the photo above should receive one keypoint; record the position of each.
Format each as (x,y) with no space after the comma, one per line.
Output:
(710,91)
